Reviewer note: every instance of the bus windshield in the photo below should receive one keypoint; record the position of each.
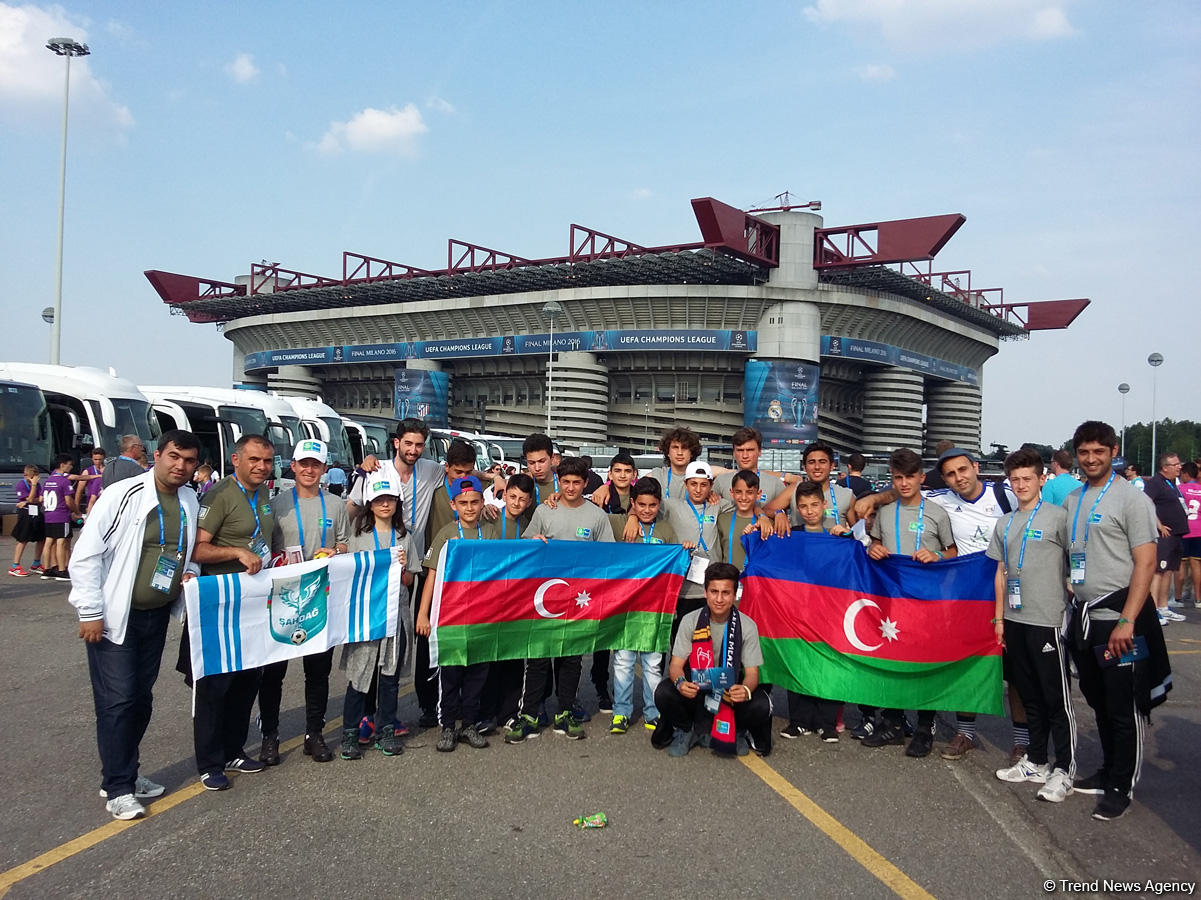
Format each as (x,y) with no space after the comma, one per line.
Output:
(24,428)
(250,421)
(292,423)
(339,444)
(382,437)
(132,417)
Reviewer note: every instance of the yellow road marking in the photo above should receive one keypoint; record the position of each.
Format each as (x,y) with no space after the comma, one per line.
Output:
(1182,652)
(896,880)
(111,829)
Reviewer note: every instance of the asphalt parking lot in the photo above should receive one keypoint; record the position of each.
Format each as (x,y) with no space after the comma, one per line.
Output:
(810,819)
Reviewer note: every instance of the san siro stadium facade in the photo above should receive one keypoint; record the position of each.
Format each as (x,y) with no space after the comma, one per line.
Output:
(772,319)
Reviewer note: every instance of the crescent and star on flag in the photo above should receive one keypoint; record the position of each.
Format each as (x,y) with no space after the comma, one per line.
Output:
(889,630)
(582,599)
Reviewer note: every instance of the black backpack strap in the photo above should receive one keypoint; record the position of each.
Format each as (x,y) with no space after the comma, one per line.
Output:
(998,490)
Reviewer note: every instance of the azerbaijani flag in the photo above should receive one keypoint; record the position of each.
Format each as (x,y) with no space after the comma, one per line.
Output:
(893,633)
(529,600)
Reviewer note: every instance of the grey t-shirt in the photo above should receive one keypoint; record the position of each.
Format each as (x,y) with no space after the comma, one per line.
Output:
(119,469)
(1044,568)
(936,528)
(703,533)
(838,504)
(770,486)
(1123,520)
(752,652)
(586,522)
(673,485)
(334,524)
(428,476)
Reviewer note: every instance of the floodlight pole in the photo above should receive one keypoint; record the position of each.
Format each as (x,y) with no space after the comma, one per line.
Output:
(551,309)
(1155,360)
(67,47)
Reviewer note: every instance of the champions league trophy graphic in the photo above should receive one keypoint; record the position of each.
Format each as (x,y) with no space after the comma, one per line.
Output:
(402,408)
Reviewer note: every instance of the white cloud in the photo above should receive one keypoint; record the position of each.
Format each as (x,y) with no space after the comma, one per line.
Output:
(376,131)
(876,72)
(31,77)
(438,104)
(641,193)
(948,24)
(242,69)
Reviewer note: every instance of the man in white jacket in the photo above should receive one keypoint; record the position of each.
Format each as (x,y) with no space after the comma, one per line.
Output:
(131,559)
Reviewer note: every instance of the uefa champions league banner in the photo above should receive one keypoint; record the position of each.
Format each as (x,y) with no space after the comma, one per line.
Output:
(241,621)
(422,394)
(781,400)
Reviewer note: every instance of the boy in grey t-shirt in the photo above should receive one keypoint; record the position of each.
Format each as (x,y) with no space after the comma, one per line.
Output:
(573,519)
(1030,549)
(909,526)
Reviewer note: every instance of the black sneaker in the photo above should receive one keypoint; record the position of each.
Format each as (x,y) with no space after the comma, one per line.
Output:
(49,574)
(470,735)
(447,741)
(1112,805)
(350,744)
(863,730)
(906,725)
(792,731)
(315,746)
(1094,784)
(829,736)
(886,734)
(921,744)
(662,735)
(604,700)
(269,753)
(428,720)
(487,726)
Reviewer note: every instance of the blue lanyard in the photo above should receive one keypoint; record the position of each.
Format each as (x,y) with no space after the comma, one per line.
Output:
(1025,534)
(538,493)
(1092,509)
(833,500)
(300,518)
(921,525)
(375,537)
(668,491)
(449,499)
(504,515)
(254,508)
(162,536)
(700,524)
(646,538)
(478,530)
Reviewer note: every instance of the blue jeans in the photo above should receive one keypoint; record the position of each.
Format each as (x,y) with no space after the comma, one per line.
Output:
(623,682)
(123,677)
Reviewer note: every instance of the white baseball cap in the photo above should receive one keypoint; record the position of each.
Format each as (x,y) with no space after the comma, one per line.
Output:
(310,449)
(698,469)
(378,486)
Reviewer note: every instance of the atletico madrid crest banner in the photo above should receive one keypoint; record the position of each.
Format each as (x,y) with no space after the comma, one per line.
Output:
(242,621)
(532,600)
(894,633)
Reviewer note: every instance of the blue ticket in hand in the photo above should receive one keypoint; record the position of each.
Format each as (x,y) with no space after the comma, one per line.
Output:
(718,680)
(1138,651)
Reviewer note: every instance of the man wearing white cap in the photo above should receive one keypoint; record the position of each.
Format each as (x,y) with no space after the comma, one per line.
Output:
(309,523)
(694,519)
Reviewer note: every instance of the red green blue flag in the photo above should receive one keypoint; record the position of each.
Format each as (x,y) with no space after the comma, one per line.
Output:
(530,600)
(894,633)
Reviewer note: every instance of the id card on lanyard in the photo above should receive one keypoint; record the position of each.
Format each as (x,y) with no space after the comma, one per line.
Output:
(296,554)
(1013,584)
(258,544)
(1076,558)
(167,565)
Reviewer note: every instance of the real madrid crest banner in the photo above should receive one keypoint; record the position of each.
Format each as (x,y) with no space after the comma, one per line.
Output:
(498,600)
(242,621)
(894,633)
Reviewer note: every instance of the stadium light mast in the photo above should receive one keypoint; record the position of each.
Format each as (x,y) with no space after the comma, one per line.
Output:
(67,47)
(550,310)
(1123,389)
(1155,360)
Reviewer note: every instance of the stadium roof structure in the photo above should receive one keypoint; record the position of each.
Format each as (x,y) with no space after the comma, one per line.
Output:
(737,248)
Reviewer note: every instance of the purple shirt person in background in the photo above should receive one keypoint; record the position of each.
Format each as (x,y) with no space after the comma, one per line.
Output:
(58,499)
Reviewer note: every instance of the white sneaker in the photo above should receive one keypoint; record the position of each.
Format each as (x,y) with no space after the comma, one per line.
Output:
(143,789)
(125,807)
(1174,616)
(1164,621)
(1057,788)
(1024,770)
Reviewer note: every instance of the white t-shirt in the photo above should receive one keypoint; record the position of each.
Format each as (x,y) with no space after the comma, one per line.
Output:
(428,476)
(972,521)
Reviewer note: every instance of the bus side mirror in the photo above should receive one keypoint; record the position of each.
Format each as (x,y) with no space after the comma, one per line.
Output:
(83,440)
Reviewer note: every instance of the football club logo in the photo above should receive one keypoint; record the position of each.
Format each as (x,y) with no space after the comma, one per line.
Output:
(297,606)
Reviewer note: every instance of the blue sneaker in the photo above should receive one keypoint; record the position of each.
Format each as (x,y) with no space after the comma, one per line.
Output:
(244,766)
(579,713)
(214,781)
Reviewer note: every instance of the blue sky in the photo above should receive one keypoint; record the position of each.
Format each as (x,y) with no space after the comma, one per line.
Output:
(1066,132)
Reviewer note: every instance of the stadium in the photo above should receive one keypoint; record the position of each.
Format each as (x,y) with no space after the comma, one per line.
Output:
(772,319)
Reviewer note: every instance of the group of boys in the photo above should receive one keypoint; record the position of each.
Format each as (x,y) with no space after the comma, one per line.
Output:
(711,694)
